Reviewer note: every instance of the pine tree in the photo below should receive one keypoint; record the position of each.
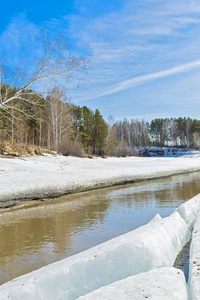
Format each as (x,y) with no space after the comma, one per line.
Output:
(99,133)
(87,128)
(77,121)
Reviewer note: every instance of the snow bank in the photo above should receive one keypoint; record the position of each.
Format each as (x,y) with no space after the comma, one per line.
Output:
(37,177)
(152,246)
(159,284)
(194,272)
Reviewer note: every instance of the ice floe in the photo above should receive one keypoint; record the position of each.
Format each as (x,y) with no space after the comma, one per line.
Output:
(159,284)
(189,210)
(194,270)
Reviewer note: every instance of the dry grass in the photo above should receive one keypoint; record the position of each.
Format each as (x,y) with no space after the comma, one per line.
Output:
(18,150)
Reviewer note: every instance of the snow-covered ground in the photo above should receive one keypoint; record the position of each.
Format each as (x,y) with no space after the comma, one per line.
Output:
(135,265)
(37,177)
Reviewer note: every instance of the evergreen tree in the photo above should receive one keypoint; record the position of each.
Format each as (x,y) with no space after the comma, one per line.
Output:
(87,128)
(99,133)
(157,130)
(77,121)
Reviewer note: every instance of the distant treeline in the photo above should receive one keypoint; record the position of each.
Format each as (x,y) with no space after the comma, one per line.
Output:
(54,123)
(176,132)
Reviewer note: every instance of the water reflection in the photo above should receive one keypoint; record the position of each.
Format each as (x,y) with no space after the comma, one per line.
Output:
(35,236)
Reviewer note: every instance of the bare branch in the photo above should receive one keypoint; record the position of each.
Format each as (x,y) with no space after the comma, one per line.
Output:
(57,63)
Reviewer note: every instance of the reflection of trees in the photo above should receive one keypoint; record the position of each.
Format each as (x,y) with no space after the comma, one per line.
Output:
(180,189)
(160,192)
(25,234)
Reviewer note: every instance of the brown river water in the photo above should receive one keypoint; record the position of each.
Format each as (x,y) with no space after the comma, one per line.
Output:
(41,232)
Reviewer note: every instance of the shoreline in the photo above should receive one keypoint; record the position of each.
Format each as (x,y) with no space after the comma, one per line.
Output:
(36,178)
(20,203)
(30,202)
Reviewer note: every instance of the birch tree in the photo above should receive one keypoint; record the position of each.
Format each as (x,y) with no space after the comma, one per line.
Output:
(58,116)
(56,64)
(188,134)
(111,136)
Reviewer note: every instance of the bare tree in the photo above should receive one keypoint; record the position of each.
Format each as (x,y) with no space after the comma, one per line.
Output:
(57,63)
(126,131)
(111,136)
(173,131)
(59,116)
(196,139)
(188,135)
(145,131)
(165,134)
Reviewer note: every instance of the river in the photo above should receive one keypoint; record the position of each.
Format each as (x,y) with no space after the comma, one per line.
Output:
(37,234)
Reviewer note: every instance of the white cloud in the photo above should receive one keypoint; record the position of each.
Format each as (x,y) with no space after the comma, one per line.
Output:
(123,85)
(18,40)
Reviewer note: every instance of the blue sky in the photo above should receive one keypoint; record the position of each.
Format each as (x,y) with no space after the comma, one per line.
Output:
(144,54)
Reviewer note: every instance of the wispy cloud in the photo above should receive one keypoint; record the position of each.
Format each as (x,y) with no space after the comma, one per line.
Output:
(142,42)
(18,40)
(126,84)
(148,36)
(141,79)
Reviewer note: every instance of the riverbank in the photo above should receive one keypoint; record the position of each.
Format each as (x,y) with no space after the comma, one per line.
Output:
(50,176)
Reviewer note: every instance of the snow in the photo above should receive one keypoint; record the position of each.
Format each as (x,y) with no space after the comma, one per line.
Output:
(164,283)
(38,177)
(194,271)
(151,246)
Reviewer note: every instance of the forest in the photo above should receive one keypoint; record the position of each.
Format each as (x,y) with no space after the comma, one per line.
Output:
(53,123)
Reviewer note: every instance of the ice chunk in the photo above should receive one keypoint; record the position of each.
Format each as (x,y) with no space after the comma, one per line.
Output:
(159,284)
(151,246)
(189,210)
(194,272)
(156,218)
